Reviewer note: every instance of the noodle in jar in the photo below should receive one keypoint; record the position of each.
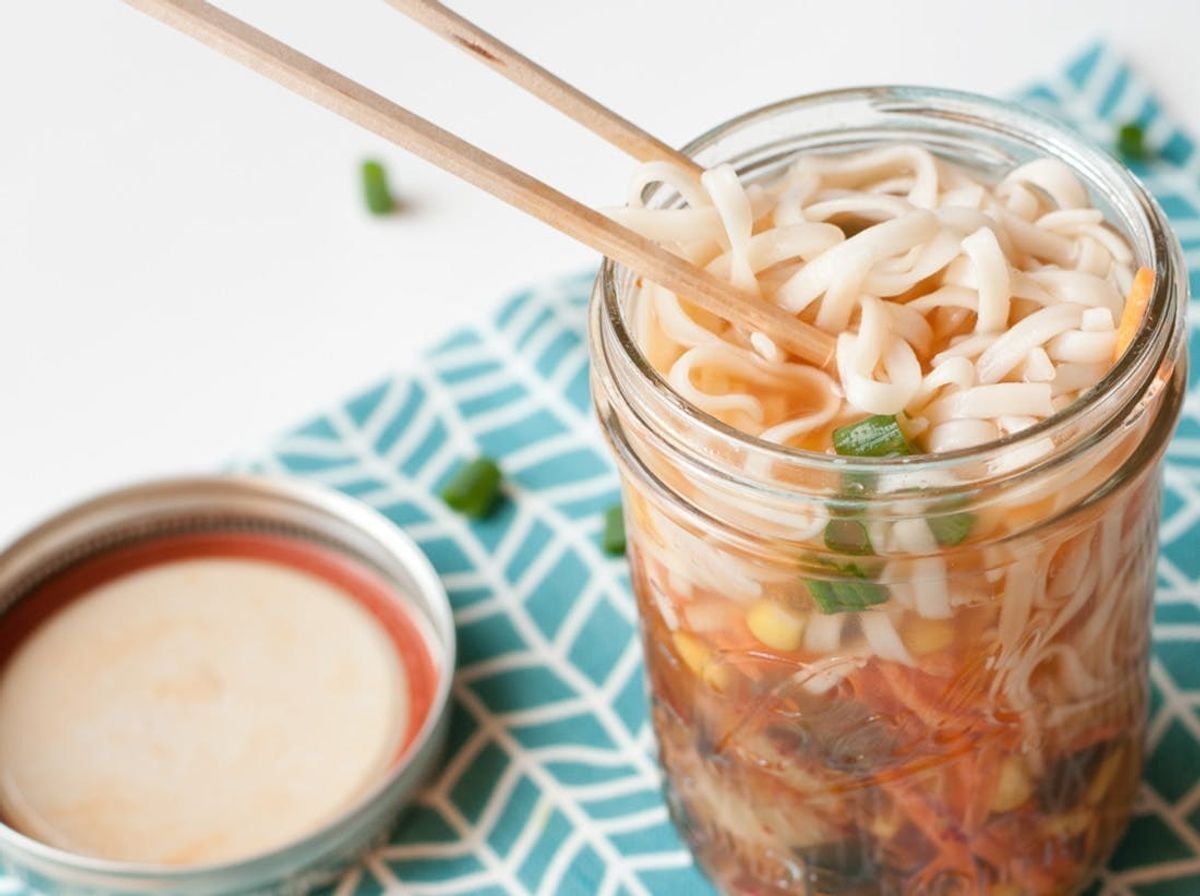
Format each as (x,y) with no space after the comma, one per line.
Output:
(895,689)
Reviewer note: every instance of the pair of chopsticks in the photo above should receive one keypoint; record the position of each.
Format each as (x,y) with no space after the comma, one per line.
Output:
(353,101)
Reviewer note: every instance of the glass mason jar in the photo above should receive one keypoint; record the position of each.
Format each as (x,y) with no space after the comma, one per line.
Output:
(976,726)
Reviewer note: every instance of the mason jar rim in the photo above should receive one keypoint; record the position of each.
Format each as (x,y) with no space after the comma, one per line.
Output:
(1134,372)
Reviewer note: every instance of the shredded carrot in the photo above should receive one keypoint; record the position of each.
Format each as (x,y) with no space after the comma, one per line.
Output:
(1044,876)
(932,700)
(1135,310)
(979,775)
(938,830)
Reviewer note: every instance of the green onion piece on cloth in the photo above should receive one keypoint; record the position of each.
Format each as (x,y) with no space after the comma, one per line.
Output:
(1131,142)
(378,197)
(614,530)
(475,488)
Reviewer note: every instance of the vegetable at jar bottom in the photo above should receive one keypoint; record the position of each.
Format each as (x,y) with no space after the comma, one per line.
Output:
(975,754)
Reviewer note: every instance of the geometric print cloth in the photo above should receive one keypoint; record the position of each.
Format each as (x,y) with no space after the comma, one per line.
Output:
(550,784)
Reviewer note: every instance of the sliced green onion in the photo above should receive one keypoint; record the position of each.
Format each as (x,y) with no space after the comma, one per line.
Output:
(375,188)
(614,530)
(474,488)
(850,569)
(1131,142)
(870,594)
(822,595)
(950,529)
(848,537)
(845,596)
(855,592)
(877,436)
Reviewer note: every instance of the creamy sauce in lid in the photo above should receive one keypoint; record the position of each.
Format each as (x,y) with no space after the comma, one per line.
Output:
(199,710)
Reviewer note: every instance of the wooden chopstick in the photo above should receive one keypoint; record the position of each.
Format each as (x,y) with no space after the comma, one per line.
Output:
(326,87)
(524,72)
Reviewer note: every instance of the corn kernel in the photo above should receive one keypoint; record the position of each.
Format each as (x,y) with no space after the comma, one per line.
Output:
(775,625)
(699,657)
(1013,787)
(692,651)
(924,636)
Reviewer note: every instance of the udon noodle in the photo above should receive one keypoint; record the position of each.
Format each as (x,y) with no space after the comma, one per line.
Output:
(913,701)
(975,310)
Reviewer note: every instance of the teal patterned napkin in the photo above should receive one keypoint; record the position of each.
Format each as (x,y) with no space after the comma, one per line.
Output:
(550,784)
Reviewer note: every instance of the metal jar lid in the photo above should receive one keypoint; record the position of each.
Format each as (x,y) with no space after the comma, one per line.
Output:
(240,505)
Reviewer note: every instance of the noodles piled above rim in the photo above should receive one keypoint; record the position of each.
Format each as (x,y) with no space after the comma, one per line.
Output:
(964,309)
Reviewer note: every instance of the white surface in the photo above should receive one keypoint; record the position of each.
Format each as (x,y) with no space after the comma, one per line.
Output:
(185,264)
